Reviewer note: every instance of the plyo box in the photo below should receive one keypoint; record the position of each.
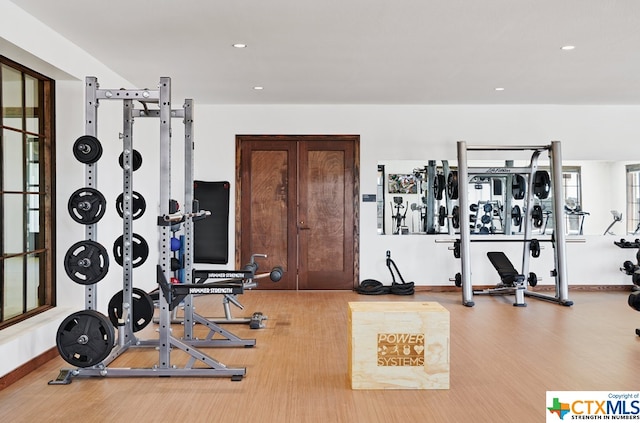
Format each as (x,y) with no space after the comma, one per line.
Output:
(398,345)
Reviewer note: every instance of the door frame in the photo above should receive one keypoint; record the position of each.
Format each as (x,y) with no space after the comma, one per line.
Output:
(295,138)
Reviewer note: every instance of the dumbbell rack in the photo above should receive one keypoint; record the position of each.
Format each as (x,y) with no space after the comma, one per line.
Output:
(126,336)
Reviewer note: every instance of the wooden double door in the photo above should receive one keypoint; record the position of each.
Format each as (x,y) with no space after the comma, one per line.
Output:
(297,202)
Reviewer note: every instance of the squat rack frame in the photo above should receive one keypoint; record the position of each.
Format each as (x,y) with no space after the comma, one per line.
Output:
(126,338)
(558,238)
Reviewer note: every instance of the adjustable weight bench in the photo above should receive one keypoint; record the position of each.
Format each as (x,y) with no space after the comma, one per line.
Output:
(511,280)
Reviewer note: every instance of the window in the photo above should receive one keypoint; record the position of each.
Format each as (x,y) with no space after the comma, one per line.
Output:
(633,198)
(26,193)
(572,196)
(571,187)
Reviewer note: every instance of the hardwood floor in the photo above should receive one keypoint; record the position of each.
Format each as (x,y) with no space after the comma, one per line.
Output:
(503,360)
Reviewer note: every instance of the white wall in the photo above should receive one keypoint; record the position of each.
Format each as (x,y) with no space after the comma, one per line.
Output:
(387,133)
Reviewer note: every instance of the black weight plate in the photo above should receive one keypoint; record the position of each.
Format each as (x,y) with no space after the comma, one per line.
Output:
(541,184)
(87,149)
(516,215)
(536,216)
(439,185)
(455,217)
(442,215)
(518,187)
(136,160)
(141,308)
(86,262)
(85,338)
(87,206)
(175,264)
(138,205)
(486,219)
(532,279)
(487,208)
(452,185)
(139,250)
(534,247)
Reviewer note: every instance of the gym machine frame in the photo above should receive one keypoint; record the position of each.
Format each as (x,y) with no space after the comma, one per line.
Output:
(559,238)
(126,338)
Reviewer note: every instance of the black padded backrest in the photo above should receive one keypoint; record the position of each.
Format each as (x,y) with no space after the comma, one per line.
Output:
(503,265)
(211,234)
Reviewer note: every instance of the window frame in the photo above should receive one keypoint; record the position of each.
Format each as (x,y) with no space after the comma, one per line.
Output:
(45,250)
(632,208)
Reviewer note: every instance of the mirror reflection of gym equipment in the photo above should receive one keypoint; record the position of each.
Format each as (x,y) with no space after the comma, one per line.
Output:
(585,213)
(399,227)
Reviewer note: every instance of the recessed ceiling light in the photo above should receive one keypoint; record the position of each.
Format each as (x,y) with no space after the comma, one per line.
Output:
(499,89)
(567,47)
(258,88)
(239,45)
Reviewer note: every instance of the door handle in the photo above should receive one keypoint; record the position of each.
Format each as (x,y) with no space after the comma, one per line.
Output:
(305,228)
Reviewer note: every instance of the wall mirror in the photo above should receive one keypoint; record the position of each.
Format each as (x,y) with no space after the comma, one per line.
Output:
(600,198)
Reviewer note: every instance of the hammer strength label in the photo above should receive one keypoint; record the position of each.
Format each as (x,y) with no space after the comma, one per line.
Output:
(209,290)
(400,349)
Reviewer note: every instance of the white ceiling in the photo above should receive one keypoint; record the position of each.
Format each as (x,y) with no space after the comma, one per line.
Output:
(364,51)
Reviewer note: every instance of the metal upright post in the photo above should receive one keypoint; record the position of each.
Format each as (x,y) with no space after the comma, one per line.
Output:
(188,208)
(127,219)
(562,284)
(463,202)
(164,232)
(91,174)
(189,147)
